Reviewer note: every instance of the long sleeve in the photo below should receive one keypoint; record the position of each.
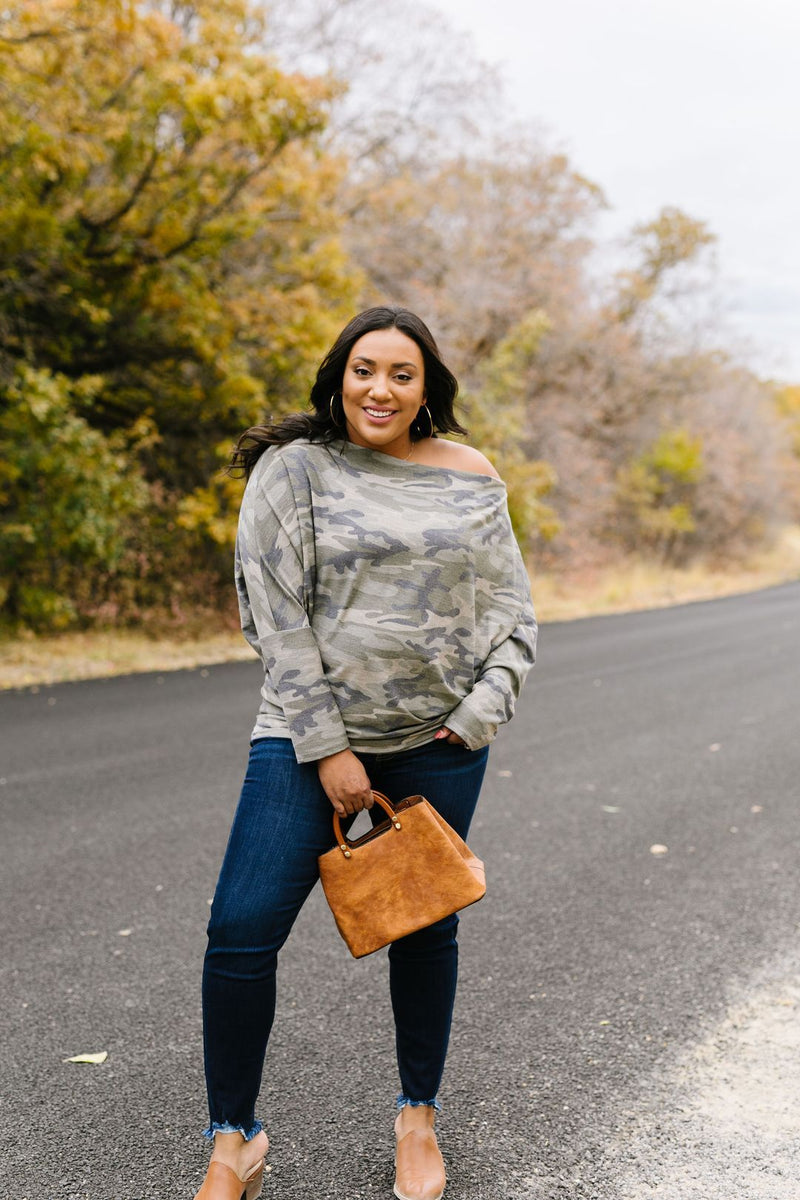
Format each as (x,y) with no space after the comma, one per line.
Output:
(493,697)
(275,571)
(386,599)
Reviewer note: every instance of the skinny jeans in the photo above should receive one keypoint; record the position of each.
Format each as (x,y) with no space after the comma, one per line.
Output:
(283,822)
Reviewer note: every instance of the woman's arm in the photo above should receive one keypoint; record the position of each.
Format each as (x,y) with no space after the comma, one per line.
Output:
(493,697)
(275,565)
(275,574)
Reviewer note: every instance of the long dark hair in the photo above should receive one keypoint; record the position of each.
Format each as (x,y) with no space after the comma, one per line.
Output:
(318,425)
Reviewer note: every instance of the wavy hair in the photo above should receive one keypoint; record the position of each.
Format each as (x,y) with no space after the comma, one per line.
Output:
(318,425)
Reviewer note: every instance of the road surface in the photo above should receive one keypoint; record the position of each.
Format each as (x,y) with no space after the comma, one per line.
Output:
(606,987)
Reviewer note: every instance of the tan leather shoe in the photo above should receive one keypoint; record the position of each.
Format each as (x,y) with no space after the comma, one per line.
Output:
(222,1183)
(419,1167)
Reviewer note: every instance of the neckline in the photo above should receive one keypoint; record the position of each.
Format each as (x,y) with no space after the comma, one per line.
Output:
(387,463)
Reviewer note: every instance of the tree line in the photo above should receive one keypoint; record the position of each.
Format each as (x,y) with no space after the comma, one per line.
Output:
(194,197)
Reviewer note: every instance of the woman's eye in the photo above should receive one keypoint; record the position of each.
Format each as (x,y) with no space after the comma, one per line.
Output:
(403,378)
(362,371)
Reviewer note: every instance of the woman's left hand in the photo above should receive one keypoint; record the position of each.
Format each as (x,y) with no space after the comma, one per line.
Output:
(447,735)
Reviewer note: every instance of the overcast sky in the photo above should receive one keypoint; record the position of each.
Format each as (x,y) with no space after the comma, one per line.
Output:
(694,103)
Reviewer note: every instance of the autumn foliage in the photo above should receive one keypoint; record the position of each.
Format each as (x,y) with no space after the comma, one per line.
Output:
(194,197)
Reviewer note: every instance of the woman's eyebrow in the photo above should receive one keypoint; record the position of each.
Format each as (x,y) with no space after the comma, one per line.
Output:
(371,362)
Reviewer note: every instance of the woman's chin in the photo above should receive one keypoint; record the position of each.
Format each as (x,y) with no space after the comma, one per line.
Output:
(389,441)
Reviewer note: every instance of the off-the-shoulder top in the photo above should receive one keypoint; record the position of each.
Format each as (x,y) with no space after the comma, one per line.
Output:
(386,599)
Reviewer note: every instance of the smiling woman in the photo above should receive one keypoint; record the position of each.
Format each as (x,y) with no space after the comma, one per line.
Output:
(383,396)
(413,369)
(385,360)
(381,585)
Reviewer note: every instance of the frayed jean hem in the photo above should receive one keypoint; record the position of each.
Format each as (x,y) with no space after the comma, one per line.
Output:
(226,1127)
(402,1101)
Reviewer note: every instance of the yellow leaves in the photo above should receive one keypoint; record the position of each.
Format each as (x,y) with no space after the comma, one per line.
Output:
(497,422)
(670,240)
(787,402)
(676,455)
(213,510)
(655,491)
(527,481)
(96,314)
(96,1058)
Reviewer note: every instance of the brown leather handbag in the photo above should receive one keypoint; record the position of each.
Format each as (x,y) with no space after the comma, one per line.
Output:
(409,871)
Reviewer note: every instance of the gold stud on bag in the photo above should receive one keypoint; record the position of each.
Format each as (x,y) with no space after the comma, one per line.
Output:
(408,872)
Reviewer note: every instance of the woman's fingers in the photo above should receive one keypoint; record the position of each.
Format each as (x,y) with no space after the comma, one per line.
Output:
(447,735)
(345,782)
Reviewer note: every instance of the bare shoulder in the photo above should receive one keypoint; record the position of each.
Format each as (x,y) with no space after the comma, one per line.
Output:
(439,452)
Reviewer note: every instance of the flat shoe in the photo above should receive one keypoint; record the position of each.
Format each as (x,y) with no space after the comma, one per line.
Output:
(419,1167)
(222,1183)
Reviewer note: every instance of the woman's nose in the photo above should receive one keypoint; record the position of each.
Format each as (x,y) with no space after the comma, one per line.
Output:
(380,388)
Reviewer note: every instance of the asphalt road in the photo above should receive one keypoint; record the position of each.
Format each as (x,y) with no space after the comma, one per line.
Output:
(590,966)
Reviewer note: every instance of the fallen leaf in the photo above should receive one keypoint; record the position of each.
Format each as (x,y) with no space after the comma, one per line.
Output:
(505,774)
(124,932)
(100,1057)
(610,808)
(657,849)
(714,747)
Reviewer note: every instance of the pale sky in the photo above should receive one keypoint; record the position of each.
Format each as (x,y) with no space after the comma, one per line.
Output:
(693,103)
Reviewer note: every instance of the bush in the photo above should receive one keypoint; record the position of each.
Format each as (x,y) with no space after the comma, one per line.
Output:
(68,495)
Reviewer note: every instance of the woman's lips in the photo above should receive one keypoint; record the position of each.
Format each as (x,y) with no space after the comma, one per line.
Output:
(379,414)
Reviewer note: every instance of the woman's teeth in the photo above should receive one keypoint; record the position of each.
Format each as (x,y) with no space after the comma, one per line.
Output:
(379,412)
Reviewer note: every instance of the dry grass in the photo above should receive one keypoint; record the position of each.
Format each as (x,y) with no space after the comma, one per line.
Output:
(639,585)
(39,661)
(44,660)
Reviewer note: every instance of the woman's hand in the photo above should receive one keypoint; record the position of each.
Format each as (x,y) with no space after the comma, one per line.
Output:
(345,782)
(446,734)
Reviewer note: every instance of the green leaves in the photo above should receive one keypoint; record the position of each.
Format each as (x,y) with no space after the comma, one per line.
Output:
(656,494)
(67,492)
(168,255)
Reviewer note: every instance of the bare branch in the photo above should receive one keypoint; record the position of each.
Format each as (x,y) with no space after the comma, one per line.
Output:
(122,89)
(41,34)
(124,208)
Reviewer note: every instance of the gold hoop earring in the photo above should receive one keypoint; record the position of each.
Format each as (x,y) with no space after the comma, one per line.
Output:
(430,418)
(330,410)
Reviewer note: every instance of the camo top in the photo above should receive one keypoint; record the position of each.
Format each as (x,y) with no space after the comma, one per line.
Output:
(386,599)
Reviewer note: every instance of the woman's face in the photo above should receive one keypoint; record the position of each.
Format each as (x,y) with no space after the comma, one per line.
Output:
(382,390)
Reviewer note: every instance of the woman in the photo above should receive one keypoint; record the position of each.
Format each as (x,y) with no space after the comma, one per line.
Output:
(380,583)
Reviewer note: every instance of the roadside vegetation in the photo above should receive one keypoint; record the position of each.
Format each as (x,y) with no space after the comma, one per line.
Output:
(194,197)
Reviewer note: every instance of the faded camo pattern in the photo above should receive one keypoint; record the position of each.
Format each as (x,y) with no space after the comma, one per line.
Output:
(385,598)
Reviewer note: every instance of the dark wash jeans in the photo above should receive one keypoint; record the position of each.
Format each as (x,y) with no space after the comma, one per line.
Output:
(282,824)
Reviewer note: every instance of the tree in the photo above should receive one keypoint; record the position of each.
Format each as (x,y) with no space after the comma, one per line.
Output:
(476,243)
(68,494)
(165,215)
(497,424)
(169,248)
(656,495)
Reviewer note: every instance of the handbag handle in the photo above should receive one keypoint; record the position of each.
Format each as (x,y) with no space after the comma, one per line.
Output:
(342,840)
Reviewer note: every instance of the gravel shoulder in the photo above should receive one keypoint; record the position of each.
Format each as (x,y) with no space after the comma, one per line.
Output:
(723,1119)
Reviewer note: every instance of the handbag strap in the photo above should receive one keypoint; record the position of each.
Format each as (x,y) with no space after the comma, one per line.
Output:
(342,840)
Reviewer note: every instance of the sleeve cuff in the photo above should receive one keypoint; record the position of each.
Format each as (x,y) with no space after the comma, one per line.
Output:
(315,747)
(473,729)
